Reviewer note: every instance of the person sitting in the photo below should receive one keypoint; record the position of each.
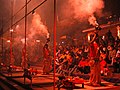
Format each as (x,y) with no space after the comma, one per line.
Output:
(112,54)
(103,63)
(83,66)
(116,63)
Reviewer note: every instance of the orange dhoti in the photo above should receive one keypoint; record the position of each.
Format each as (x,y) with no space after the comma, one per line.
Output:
(95,75)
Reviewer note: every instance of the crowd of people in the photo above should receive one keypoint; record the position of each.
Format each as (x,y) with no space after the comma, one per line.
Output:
(69,57)
(99,57)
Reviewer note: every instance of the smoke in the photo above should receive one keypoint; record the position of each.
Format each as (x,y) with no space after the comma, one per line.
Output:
(76,15)
(38,27)
(37,33)
(85,8)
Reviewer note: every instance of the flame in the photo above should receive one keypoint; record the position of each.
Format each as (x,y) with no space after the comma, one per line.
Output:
(23,40)
(11,30)
(92,20)
(118,31)
(8,41)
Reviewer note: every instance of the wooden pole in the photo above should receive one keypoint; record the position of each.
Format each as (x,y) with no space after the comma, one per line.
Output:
(2,43)
(11,36)
(25,61)
(54,40)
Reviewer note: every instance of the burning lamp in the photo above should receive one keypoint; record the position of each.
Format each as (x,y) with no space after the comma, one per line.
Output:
(118,31)
(11,30)
(17,26)
(37,40)
(8,41)
(88,37)
(103,37)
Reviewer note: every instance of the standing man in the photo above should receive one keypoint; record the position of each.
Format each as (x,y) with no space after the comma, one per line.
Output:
(47,60)
(95,76)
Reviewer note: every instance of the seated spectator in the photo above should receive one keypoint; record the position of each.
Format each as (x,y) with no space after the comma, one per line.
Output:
(116,63)
(83,65)
(112,54)
(103,63)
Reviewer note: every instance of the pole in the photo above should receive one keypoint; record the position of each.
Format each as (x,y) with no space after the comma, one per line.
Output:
(25,32)
(11,61)
(54,39)
(2,42)
(25,61)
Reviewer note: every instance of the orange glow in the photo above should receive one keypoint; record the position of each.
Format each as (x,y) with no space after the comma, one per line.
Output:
(8,41)
(17,26)
(37,40)
(118,31)
(23,40)
(88,37)
(103,37)
(11,30)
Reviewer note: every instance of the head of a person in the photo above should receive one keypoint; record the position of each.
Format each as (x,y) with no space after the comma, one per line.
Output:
(118,47)
(110,47)
(83,58)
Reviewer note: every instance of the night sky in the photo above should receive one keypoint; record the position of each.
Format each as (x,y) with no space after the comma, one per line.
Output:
(112,6)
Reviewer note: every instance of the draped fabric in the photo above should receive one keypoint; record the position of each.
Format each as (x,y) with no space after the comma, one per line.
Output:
(93,49)
(24,59)
(95,75)
(46,53)
(46,61)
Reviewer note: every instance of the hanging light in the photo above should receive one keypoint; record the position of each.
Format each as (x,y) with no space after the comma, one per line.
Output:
(11,30)
(8,41)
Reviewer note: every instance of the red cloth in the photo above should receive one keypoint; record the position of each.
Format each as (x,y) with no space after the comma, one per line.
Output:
(102,64)
(78,81)
(46,53)
(83,63)
(93,49)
